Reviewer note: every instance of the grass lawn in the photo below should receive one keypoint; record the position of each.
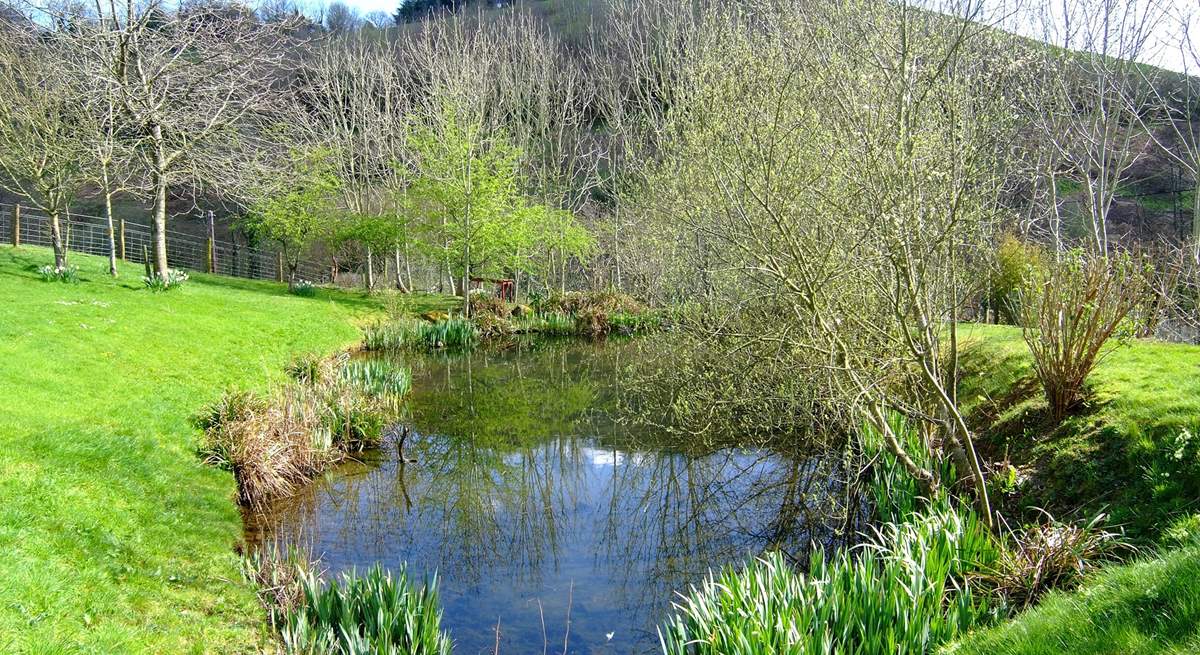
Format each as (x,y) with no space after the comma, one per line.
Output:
(1127,451)
(115,538)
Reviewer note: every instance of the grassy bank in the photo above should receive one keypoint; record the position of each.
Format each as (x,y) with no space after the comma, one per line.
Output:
(116,538)
(1130,450)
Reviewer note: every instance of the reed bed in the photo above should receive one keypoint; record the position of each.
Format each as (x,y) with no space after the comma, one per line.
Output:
(911,587)
(274,443)
(410,334)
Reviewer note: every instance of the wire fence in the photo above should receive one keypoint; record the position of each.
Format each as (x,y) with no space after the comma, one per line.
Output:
(20,224)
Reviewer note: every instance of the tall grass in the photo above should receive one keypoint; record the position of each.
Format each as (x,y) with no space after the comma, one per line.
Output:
(276,442)
(373,613)
(446,334)
(548,323)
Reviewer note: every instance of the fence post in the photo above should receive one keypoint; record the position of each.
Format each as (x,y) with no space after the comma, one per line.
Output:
(281,267)
(16,225)
(210,262)
(122,239)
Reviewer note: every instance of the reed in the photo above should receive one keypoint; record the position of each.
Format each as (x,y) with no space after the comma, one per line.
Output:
(910,588)
(407,334)
(371,613)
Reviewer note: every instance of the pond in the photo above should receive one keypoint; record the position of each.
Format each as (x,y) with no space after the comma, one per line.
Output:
(546,506)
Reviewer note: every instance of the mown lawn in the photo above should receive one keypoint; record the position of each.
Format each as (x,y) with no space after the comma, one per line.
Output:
(1132,450)
(114,537)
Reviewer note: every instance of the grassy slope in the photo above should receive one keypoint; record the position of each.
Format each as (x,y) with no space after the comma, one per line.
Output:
(115,538)
(1120,453)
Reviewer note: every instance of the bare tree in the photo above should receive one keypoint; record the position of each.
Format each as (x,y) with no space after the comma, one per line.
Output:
(182,78)
(42,129)
(351,101)
(1094,94)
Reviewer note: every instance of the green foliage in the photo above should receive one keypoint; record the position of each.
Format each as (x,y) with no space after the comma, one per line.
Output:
(371,613)
(68,274)
(172,279)
(298,210)
(470,194)
(445,334)
(1016,266)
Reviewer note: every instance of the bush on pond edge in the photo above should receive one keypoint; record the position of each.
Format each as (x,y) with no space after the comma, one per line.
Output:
(274,443)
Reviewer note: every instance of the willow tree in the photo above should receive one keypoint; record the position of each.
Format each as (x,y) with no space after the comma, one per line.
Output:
(830,205)
(43,128)
(473,202)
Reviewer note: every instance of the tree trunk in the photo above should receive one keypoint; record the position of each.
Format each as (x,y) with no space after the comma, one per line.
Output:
(56,242)
(112,231)
(370,270)
(160,225)
(399,273)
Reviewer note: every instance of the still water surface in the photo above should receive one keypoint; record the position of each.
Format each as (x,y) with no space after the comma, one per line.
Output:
(535,498)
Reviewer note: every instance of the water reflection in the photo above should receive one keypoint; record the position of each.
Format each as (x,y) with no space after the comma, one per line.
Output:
(534,502)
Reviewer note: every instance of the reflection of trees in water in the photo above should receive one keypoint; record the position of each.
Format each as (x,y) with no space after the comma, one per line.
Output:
(672,517)
(529,466)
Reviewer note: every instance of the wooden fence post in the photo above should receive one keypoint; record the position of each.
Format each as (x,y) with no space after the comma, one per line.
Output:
(210,263)
(122,239)
(16,225)
(281,267)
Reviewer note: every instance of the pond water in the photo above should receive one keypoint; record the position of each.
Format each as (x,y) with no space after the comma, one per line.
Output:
(545,507)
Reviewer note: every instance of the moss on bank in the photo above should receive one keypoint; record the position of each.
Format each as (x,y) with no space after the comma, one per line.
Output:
(116,537)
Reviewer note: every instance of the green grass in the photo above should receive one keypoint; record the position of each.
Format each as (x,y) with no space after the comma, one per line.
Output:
(1149,607)
(1132,450)
(115,537)
(1125,451)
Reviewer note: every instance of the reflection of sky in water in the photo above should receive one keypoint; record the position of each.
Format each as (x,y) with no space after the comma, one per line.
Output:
(520,529)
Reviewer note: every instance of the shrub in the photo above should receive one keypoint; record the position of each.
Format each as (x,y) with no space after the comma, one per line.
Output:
(1069,314)
(371,613)
(173,278)
(1050,555)
(608,302)
(303,288)
(487,304)
(592,322)
(1017,264)
(51,273)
